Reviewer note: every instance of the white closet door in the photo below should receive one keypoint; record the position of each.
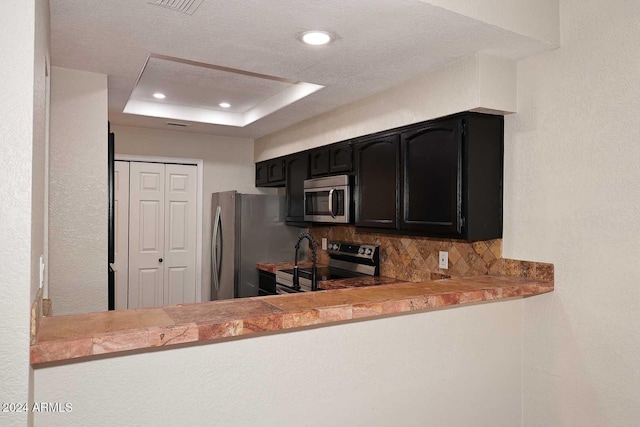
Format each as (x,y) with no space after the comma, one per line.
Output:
(121,212)
(146,235)
(180,234)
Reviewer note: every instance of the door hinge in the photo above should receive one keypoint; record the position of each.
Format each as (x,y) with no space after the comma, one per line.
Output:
(462,221)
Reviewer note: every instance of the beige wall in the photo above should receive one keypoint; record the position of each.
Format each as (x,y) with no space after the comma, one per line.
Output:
(78,199)
(457,367)
(228,165)
(572,197)
(536,19)
(479,82)
(24,50)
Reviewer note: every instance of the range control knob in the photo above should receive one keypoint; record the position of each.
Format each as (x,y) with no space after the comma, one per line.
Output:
(361,251)
(369,251)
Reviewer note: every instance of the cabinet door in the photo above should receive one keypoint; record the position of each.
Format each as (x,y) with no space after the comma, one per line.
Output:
(261,173)
(340,158)
(377,163)
(275,170)
(297,167)
(432,181)
(319,159)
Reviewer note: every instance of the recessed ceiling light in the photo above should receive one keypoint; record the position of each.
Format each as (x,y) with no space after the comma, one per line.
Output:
(159,95)
(224,105)
(316,38)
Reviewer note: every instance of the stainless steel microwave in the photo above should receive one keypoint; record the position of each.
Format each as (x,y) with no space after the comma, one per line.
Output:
(327,199)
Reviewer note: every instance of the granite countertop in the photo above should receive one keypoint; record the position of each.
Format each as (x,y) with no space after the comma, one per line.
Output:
(77,337)
(357,282)
(272,267)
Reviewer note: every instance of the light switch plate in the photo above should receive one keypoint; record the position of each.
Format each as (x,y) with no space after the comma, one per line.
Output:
(324,243)
(443,260)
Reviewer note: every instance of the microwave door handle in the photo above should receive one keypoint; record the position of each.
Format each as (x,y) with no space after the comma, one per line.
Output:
(331,202)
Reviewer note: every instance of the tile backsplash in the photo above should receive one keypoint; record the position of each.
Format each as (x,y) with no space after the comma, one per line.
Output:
(414,258)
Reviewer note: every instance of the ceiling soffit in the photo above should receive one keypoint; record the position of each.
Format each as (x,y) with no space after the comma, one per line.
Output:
(194,92)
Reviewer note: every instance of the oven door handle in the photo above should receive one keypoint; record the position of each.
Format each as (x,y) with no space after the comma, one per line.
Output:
(284,290)
(331,202)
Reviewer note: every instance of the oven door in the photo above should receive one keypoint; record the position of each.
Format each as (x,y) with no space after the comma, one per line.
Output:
(328,204)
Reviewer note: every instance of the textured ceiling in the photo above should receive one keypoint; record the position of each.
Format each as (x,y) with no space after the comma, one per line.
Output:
(380,44)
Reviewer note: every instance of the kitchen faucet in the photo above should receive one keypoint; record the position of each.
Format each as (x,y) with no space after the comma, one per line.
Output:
(314,246)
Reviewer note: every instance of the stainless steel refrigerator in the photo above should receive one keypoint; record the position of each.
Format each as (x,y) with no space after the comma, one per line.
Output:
(247,229)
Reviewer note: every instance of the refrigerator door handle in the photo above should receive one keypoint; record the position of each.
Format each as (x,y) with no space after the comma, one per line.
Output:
(220,250)
(215,269)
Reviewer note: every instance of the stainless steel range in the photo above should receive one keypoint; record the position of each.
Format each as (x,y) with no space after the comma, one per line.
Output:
(346,260)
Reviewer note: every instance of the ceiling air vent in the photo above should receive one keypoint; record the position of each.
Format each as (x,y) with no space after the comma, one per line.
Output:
(180,125)
(184,6)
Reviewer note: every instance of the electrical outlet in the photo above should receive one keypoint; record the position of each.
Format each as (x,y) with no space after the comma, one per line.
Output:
(324,243)
(443,260)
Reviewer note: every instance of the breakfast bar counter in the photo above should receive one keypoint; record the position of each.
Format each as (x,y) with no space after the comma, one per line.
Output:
(78,337)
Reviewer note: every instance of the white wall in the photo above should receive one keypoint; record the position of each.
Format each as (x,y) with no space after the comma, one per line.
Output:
(572,193)
(40,141)
(537,19)
(24,48)
(228,165)
(457,367)
(572,197)
(78,199)
(479,82)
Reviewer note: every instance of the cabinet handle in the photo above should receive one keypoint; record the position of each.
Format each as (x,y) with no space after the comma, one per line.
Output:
(159,259)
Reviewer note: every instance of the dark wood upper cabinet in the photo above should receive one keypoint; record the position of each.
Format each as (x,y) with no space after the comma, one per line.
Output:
(276,170)
(297,167)
(377,185)
(432,178)
(270,173)
(482,176)
(331,160)
(261,173)
(441,178)
(340,158)
(319,159)
(452,177)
